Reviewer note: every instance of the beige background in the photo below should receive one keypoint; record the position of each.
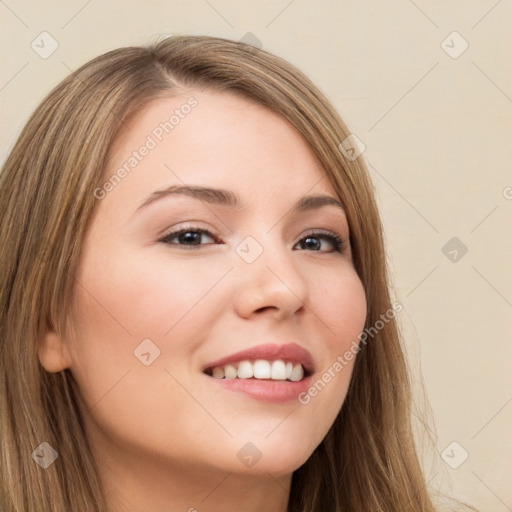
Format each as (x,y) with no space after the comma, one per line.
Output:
(438,134)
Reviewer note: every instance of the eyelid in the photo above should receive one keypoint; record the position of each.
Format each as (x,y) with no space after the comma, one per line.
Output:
(323,231)
(189,225)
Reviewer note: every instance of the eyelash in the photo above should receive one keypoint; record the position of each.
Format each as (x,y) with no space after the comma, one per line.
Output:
(335,240)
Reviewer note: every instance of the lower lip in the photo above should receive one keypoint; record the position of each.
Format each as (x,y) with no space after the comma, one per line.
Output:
(272,391)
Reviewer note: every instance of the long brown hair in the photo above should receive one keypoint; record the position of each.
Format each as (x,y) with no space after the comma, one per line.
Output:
(367,461)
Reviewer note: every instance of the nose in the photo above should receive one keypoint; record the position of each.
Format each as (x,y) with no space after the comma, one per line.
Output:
(273,284)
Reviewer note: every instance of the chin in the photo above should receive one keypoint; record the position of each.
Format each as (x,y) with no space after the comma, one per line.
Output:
(276,459)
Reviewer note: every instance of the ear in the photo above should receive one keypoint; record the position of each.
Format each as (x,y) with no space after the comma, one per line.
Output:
(53,352)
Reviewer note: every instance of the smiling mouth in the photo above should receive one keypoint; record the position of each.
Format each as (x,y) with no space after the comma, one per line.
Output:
(259,369)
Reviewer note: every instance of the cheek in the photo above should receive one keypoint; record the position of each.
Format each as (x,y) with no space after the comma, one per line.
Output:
(121,301)
(118,305)
(146,296)
(340,305)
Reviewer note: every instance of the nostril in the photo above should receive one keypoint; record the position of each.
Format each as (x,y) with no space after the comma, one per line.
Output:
(263,309)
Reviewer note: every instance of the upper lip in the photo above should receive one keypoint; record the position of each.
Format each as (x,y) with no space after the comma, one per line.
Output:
(269,351)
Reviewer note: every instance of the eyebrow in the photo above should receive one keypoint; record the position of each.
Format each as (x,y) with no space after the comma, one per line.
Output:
(229,199)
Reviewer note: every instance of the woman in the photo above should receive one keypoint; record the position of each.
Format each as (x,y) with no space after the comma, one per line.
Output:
(195,305)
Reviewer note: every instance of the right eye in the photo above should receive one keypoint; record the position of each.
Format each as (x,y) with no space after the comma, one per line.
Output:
(188,237)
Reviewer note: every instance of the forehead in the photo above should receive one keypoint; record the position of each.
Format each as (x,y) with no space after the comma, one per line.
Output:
(215,138)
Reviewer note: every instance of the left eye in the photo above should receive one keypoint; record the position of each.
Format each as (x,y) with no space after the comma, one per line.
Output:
(312,241)
(192,237)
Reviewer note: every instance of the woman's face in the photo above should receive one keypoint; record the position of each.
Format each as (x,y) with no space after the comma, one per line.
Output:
(158,317)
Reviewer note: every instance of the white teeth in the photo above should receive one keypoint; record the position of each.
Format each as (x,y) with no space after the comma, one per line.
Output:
(278,370)
(229,372)
(260,369)
(297,373)
(245,370)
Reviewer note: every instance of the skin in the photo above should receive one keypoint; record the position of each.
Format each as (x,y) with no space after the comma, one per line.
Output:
(166,438)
